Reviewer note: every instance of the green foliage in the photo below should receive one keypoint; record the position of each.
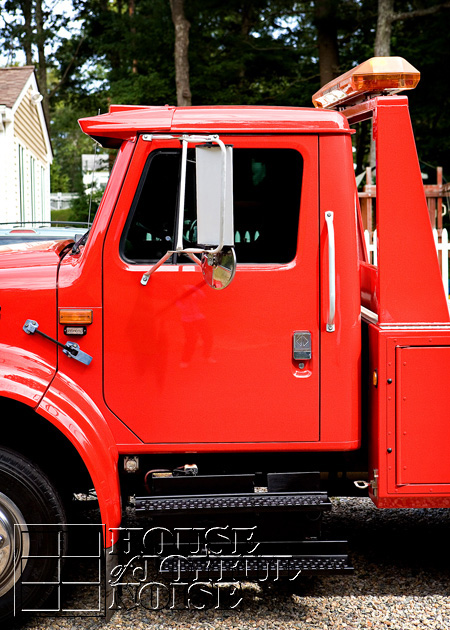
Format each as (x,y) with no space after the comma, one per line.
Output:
(251,53)
(256,52)
(85,207)
(68,144)
(61,215)
(133,46)
(425,43)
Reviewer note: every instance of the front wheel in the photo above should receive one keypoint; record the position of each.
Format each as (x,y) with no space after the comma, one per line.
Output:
(31,517)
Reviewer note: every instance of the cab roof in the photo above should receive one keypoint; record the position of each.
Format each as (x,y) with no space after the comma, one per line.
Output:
(125,122)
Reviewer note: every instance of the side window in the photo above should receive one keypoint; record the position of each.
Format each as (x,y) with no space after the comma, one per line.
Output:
(149,232)
(267,187)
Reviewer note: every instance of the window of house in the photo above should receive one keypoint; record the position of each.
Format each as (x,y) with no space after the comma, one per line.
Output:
(22,202)
(43,190)
(33,187)
(267,187)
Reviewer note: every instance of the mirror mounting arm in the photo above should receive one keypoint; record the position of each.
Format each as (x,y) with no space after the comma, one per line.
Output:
(146,277)
(189,252)
(184,145)
(194,258)
(185,140)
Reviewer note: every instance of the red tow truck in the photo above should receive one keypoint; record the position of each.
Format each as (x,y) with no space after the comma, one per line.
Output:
(220,330)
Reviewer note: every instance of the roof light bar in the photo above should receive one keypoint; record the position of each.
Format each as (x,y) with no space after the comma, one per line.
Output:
(379,75)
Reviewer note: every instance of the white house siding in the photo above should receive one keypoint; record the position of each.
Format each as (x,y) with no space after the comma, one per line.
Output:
(34,203)
(25,157)
(31,186)
(7,167)
(27,126)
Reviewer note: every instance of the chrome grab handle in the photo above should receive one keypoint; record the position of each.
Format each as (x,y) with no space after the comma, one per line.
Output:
(331,272)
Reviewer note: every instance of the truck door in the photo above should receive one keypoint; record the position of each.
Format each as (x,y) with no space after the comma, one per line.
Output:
(186,364)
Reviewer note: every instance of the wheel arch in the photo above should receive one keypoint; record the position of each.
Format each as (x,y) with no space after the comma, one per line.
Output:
(75,442)
(27,429)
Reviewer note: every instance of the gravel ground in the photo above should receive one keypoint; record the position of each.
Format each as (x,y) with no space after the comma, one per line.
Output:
(401,582)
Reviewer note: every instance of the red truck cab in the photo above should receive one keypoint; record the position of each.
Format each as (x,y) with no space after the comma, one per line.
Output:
(118,360)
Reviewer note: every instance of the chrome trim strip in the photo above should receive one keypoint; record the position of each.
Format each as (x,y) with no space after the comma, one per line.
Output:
(369,315)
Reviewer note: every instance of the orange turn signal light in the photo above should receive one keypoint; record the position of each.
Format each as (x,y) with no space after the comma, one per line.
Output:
(375,378)
(81,316)
(379,75)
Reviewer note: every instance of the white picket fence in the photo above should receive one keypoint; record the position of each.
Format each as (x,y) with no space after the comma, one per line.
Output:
(442,248)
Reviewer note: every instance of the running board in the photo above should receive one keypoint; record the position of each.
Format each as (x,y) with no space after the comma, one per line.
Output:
(310,558)
(235,503)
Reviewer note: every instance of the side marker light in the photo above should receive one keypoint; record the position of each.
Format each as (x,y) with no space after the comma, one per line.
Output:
(75,316)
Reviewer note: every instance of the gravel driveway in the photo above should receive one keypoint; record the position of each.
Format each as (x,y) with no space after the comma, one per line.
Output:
(401,581)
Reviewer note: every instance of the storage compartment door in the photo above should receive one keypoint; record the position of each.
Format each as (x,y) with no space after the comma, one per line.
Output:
(423,415)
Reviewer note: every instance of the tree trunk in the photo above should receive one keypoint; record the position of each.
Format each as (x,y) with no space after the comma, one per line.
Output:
(246,26)
(131,13)
(42,62)
(26,7)
(325,12)
(382,46)
(182,27)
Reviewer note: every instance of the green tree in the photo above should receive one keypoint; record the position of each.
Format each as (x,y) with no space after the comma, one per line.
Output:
(36,29)
(424,42)
(264,52)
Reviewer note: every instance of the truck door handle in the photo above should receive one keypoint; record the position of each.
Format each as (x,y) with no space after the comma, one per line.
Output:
(331,272)
(70,348)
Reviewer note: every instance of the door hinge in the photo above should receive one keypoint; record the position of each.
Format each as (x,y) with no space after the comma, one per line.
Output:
(70,348)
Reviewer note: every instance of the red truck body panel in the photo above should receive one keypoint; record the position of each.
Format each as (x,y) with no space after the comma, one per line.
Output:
(77,416)
(28,284)
(409,282)
(145,335)
(197,350)
(409,430)
(340,350)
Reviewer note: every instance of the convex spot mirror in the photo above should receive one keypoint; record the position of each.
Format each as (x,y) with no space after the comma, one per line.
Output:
(219,269)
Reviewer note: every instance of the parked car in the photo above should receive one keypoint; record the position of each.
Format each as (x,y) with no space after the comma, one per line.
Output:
(11,234)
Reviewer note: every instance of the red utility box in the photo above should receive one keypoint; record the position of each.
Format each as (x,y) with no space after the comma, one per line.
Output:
(410,416)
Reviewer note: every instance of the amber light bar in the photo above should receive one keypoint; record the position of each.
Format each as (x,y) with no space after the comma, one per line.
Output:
(379,75)
(81,316)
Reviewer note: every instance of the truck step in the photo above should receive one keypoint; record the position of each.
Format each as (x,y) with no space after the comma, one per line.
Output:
(242,503)
(316,557)
(241,569)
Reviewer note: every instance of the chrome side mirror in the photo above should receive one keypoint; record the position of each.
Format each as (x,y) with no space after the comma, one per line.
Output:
(215,226)
(214,178)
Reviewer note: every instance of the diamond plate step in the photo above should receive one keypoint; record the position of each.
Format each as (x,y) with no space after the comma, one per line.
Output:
(251,502)
(315,557)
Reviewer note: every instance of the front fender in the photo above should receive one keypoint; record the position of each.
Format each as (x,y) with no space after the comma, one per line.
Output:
(75,414)
(24,375)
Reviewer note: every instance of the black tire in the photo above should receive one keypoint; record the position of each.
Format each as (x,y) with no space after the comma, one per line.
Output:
(27,498)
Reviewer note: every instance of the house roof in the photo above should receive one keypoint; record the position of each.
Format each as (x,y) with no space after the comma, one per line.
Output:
(12,82)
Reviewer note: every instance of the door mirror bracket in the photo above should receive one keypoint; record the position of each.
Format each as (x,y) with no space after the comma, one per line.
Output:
(215,231)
